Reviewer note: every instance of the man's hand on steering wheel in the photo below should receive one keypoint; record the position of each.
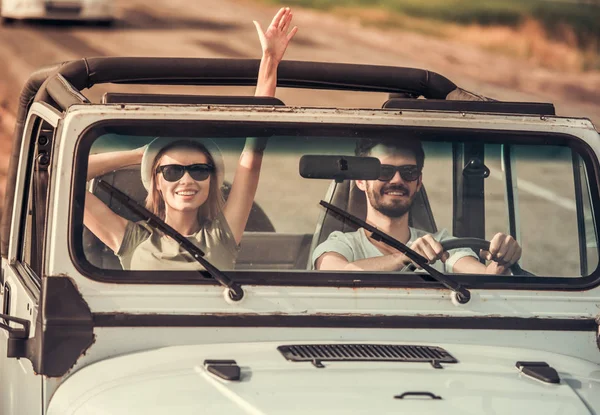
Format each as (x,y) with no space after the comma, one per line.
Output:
(430,249)
(504,251)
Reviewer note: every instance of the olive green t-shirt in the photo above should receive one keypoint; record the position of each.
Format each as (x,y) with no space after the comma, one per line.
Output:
(144,248)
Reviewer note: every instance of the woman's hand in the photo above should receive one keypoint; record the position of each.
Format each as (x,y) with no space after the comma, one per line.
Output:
(274,42)
(275,39)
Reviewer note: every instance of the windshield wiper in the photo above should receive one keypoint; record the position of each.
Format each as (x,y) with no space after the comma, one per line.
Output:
(462,294)
(235,290)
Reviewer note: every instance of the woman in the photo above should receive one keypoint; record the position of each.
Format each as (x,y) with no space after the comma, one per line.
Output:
(183,178)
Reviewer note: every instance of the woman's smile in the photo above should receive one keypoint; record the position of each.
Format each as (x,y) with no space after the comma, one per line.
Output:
(186,193)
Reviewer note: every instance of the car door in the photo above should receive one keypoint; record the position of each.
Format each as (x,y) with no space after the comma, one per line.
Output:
(20,387)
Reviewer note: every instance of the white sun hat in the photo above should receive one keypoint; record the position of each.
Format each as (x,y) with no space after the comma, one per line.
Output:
(159,143)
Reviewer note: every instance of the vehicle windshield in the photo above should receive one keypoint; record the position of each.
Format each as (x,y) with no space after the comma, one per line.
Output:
(534,191)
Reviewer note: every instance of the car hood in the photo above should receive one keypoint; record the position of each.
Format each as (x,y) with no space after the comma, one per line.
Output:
(174,380)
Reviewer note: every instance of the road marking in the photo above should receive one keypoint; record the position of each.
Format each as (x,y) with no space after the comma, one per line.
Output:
(541,192)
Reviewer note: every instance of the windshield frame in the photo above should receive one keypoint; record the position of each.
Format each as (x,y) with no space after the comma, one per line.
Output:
(318,278)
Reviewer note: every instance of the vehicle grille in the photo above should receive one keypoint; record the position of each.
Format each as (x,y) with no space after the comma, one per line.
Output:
(317,353)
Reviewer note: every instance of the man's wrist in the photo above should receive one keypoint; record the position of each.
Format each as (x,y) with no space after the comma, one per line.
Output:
(495,269)
(400,259)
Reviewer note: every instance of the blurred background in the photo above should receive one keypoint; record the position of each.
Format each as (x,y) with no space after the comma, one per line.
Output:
(519,50)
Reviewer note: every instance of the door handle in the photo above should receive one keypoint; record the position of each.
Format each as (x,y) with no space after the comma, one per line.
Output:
(6,301)
(429,394)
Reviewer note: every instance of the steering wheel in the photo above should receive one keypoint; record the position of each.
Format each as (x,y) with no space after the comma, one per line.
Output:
(475,244)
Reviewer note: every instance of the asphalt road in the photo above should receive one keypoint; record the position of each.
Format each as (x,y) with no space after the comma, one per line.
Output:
(205,28)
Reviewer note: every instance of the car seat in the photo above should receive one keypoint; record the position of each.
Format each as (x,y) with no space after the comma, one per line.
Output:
(347,196)
(128,180)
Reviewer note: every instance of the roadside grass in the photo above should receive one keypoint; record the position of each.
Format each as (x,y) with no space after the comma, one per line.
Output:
(560,34)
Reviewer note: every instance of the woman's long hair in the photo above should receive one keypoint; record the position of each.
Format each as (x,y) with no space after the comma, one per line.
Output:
(209,210)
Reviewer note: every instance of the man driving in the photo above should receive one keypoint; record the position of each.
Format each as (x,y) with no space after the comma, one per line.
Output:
(389,201)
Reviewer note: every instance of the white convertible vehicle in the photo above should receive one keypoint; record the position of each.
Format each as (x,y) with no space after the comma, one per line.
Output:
(96,11)
(82,333)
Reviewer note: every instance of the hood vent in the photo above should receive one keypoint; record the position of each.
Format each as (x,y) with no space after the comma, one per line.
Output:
(317,353)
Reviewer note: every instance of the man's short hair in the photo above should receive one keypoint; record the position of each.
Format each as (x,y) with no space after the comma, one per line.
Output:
(365,145)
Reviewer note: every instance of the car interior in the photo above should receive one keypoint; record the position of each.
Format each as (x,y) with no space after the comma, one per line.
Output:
(262,247)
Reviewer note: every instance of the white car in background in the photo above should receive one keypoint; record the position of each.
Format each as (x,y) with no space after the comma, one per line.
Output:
(97,11)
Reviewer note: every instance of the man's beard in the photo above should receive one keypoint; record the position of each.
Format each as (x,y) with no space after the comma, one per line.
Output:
(394,208)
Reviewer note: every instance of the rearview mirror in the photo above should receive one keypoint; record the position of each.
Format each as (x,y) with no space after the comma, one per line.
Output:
(339,168)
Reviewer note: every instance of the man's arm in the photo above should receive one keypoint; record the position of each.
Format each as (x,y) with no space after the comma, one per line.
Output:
(341,251)
(332,261)
(504,252)
(469,265)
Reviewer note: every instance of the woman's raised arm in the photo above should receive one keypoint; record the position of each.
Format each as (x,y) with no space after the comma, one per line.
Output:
(274,43)
(97,217)
(101,163)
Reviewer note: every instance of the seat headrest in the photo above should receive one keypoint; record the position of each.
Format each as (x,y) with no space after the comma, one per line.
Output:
(128,181)
(348,196)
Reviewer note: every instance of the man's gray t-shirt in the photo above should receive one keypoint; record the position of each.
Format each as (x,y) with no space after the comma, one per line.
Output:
(355,246)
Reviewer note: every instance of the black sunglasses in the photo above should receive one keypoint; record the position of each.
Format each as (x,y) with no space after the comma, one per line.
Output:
(174,172)
(408,173)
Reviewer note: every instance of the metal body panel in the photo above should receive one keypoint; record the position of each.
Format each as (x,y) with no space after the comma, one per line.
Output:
(50,114)
(171,299)
(139,339)
(100,383)
(484,377)
(52,117)
(21,391)
(580,344)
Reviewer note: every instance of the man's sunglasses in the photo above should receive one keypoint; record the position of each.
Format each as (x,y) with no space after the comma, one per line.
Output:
(174,172)
(408,173)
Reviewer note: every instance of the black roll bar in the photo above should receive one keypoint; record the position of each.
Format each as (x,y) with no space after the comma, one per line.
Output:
(85,73)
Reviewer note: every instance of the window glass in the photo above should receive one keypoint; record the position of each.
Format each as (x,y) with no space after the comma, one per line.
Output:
(547,209)
(588,232)
(289,201)
(286,229)
(437,180)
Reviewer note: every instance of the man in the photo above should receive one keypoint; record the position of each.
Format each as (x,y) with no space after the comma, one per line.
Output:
(390,199)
